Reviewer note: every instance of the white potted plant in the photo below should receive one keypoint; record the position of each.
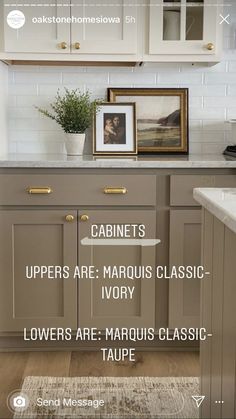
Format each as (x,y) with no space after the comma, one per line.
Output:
(74,112)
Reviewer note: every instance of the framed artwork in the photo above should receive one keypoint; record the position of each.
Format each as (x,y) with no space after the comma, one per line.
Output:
(162,117)
(115,129)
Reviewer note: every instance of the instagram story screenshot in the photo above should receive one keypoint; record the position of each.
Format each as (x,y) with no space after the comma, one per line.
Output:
(117,209)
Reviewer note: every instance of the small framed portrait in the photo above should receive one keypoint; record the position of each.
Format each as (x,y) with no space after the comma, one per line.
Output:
(115,129)
(162,117)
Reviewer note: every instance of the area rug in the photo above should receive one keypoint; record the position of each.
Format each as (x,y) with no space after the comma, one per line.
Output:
(119,397)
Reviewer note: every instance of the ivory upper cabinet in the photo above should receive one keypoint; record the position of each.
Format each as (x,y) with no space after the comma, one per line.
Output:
(80,27)
(184,27)
(105,28)
(36,37)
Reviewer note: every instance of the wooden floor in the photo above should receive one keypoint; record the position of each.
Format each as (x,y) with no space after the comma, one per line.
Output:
(15,366)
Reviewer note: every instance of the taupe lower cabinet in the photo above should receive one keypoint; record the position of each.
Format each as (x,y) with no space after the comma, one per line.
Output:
(218,316)
(34,231)
(185,250)
(46,238)
(136,312)
(35,238)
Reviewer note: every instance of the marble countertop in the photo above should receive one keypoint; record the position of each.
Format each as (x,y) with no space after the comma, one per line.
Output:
(89,161)
(221,202)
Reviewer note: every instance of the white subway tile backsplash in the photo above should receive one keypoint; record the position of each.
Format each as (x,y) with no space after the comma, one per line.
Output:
(132,78)
(212,148)
(225,78)
(22,112)
(231,114)
(206,90)
(212,97)
(36,78)
(195,102)
(81,78)
(23,89)
(195,148)
(209,125)
(226,102)
(183,78)
(18,136)
(208,113)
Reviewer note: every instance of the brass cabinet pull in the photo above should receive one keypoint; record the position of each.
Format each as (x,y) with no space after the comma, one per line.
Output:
(210,46)
(70,218)
(63,45)
(77,45)
(39,190)
(84,217)
(119,190)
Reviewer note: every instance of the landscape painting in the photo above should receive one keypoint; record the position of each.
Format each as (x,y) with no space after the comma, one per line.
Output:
(162,118)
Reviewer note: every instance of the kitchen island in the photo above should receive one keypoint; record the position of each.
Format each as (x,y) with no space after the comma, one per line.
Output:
(218,308)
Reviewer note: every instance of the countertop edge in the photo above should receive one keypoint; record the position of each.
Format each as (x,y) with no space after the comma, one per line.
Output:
(215,208)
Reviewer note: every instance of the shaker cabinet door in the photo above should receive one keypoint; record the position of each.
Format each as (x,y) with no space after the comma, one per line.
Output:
(104,28)
(36,238)
(96,311)
(185,250)
(41,33)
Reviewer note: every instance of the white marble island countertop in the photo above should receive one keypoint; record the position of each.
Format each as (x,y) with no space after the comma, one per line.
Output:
(221,202)
(89,161)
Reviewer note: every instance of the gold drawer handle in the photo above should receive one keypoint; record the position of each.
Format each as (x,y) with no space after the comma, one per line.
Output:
(110,190)
(39,190)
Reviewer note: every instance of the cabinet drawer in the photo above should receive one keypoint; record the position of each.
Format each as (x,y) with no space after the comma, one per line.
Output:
(181,186)
(77,190)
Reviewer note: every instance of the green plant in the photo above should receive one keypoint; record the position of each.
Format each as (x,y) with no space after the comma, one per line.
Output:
(73,111)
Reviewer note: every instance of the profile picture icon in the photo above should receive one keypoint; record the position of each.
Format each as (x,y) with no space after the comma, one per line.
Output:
(16,19)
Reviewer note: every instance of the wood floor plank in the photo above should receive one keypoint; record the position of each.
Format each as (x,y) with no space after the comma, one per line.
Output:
(48,364)
(12,365)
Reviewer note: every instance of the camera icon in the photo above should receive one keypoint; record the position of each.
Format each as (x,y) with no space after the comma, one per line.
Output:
(19,401)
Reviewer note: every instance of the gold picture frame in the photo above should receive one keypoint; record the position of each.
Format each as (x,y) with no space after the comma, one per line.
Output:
(162,117)
(115,129)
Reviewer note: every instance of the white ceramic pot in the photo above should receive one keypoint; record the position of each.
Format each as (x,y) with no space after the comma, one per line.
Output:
(74,144)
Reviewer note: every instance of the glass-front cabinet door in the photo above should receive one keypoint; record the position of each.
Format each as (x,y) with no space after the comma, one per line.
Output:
(183,26)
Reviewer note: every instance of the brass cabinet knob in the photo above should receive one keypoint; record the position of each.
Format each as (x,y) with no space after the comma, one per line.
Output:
(77,45)
(70,218)
(210,46)
(63,45)
(84,217)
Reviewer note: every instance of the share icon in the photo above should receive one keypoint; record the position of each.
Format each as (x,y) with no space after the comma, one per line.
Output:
(198,400)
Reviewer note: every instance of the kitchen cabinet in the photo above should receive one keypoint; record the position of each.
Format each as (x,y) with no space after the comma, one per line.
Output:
(185,243)
(40,303)
(185,250)
(101,313)
(183,27)
(154,31)
(34,238)
(38,37)
(218,313)
(159,198)
(85,28)
(115,38)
